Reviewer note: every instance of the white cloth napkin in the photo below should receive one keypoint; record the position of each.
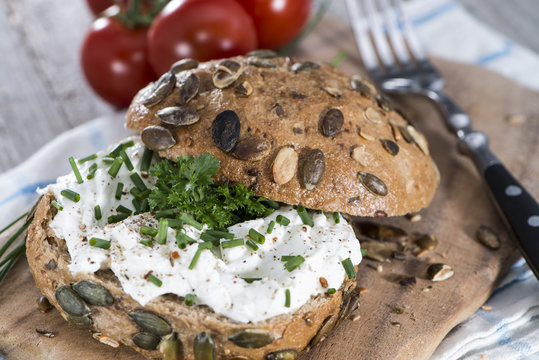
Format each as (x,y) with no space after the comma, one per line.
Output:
(510,330)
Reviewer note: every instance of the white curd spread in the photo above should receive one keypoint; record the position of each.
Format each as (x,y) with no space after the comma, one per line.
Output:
(217,279)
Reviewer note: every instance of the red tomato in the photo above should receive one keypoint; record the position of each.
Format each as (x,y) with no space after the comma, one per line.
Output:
(98,6)
(199,29)
(114,60)
(277,21)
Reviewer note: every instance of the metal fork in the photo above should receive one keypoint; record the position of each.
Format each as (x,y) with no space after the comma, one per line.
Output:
(386,36)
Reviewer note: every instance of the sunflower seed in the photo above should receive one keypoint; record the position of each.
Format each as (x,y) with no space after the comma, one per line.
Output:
(160,90)
(426,242)
(305,66)
(365,134)
(226,130)
(395,132)
(260,62)
(146,341)
(390,146)
(327,325)
(381,232)
(336,93)
(251,148)
(171,347)
(157,138)
(93,293)
(189,88)
(419,139)
(285,165)
(252,338)
(331,122)
(286,354)
(106,340)
(204,347)
(384,102)
(226,73)
(373,183)
(377,251)
(440,272)
(70,302)
(361,87)
(487,237)
(178,116)
(43,304)
(263,53)
(360,154)
(151,323)
(313,168)
(405,134)
(372,115)
(183,64)
(244,88)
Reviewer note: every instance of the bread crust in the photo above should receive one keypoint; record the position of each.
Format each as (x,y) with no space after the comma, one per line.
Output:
(286,109)
(49,259)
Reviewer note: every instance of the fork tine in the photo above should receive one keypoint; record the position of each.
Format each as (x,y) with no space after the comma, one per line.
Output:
(364,44)
(395,35)
(380,41)
(409,34)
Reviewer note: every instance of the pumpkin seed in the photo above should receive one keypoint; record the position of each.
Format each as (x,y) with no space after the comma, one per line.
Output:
(178,116)
(251,148)
(51,265)
(487,237)
(390,146)
(146,341)
(381,232)
(361,87)
(263,53)
(43,304)
(331,122)
(151,323)
(70,302)
(171,347)
(336,93)
(252,338)
(376,251)
(426,242)
(160,90)
(157,138)
(260,62)
(419,139)
(204,347)
(405,134)
(285,165)
(440,272)
(189,88)
(360,154)
(384,102)
(93,293)
(305,66)
(183,64)
(373,183)
(244,88)
(226,130)
(327,325)
(372,115)
(287,354)
(313,168)
(226,73)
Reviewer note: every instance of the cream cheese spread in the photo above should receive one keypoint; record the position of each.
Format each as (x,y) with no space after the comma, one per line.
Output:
(217,280)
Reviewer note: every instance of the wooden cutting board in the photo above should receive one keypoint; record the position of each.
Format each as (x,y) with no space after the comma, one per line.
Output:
(393,321)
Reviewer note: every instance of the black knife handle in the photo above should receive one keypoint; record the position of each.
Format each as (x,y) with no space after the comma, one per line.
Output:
(520,210)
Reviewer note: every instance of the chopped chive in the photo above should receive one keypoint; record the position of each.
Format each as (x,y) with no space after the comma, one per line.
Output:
(155,280)
(287,298)
(336,217)
(165,213)
(136,204)
(13,222)
(119,190)
(120,147)
(57,206)
(207,237)
(148,230)
(163,231)
(287,257)
(87,158)
(270,227)
(282,220)
(14,254)
(304,215)
(175,223)
(146,160)
(231,243)
(331,291)
(117,218)
(271,203)
(183,240)
(195,259)
(256,236)
(97,212)
(115,167)
(291,264)
(144,205)
(100,243)
(189,299)
(349,268)
(75,170)
(220,234)
(126,160)
(363,252)
(190,221)
(91,171)
(122,209)
(139,194)
(251,245)
(251,280)
(339,58)
(147,242)
(71,195)
(205,245)
(107,161)
(136,179)
(16,235)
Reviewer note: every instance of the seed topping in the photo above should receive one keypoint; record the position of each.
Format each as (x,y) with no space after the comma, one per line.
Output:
(373,183)
(313,168)
(226,130)
(285,165)
(331,122)
(178,116)
(157,138)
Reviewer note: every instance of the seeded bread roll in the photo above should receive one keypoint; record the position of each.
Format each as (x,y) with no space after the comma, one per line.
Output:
(97,302)
(296,132)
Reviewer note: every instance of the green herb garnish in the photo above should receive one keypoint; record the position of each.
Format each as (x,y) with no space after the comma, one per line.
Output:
(91,171)
(183,240)
(220,234)
(363,252)
(100,243)
(251,245)
(117,218)
(87,158)
(232,243)
(349,268)
(146,160)
(148,230)
(336,218)
(331,291)
(294,262)
(189,299)
(56,205)
(126,160)
(282,220)
(304,215)
(97,212)
(256,236)
(271,225)
(137,180)
(71,195)
(201,247)
(175,223)
(122,209)
(162,232)
(287,257)
(147,242)
(251,280)
(153,279)
(115,167)
(75,170)
(119,191)
(287,298)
